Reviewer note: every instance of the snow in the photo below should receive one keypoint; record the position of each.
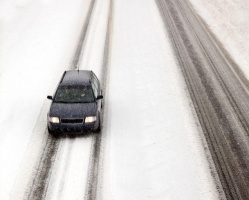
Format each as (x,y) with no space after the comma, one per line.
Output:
(70,171)
(93,50)
(37,43)
(71,167)
(152,146)
(228,20)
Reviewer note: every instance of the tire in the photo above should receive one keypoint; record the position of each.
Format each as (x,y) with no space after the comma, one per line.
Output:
(98,130)
(52,133)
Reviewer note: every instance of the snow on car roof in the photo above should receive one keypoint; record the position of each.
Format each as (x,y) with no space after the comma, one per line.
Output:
(76,77)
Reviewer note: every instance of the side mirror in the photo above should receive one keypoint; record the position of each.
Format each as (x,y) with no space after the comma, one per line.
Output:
(99,97)
(50,97)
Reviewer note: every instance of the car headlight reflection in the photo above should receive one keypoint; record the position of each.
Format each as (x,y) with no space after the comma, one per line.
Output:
(54,120)
(90,119)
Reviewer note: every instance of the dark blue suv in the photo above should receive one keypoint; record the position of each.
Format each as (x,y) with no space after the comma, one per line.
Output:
(76,104)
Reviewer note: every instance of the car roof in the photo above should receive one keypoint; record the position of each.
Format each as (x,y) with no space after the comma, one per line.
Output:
(76,77)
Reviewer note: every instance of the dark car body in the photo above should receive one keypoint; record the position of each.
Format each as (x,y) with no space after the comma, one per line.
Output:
(76,104)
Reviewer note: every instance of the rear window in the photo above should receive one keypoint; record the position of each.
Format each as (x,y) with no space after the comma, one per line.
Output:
(74,94)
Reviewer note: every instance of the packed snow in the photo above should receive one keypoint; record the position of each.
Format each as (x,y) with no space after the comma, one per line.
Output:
(228,20)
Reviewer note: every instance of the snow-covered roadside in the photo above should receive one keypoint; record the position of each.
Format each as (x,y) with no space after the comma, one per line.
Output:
(37,42)
(228,20)
(153,149)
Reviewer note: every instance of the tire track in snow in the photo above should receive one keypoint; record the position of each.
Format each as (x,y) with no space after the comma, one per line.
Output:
(97,151)
(39,182)
(70,168)
(79,48)
(44,169)
(219,94)
(93,168)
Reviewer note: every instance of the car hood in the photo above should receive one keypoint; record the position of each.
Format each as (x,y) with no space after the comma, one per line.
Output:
(73,110)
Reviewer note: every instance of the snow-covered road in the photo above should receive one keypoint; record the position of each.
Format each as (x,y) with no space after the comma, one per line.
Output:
(38,40)
(219,91)
(151,146)
(59,169)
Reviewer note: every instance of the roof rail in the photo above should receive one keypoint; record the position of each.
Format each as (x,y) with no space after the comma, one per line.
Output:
(63,76)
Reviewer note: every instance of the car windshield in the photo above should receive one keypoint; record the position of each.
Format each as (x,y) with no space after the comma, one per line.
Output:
(74,94)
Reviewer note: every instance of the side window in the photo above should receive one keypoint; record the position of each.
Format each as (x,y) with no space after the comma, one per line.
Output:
(96,82)
(95,91)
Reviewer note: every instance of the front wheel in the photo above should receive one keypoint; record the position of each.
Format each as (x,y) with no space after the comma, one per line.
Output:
(52,133)
(99,126)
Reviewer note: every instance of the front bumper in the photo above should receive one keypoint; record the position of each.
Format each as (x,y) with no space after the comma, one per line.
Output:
(72,127)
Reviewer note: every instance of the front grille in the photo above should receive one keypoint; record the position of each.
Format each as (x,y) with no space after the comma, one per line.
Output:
(72,121)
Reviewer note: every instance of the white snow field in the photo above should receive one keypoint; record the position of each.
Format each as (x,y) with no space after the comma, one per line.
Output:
(152,145)
(37,43)
(228,20)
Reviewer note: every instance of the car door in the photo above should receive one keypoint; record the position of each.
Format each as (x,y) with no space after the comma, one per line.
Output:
(96,90)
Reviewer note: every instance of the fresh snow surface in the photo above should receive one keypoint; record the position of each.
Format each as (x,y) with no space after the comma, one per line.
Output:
(228,20)
(37,43)
(153,149)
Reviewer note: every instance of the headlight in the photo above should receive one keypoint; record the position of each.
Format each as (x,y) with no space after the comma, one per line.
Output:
(90,119)
(54,119)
